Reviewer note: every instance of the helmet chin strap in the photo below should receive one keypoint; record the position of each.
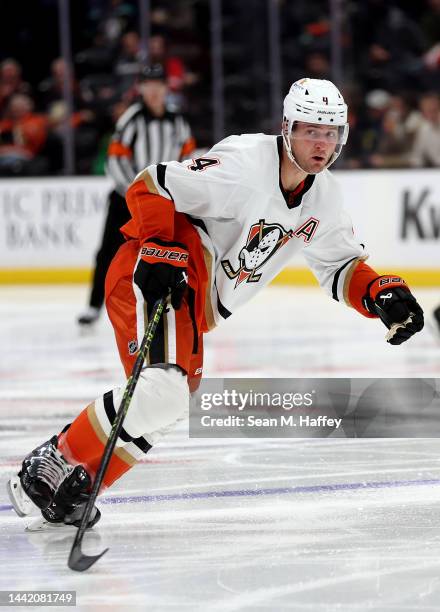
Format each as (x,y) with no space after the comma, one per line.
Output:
(292,158)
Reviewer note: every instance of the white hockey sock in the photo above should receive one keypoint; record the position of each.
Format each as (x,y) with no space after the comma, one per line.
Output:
(161,398)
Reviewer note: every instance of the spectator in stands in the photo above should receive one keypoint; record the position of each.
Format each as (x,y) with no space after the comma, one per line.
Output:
(370,124)
(96,59)
(51,89)
(113,18)
(57,115)
(173,65)
(430,23)
(128,61)
(392,59)
(387,45)
(83,120)
(351,157)
(99,87)
(399,126)
(53,94)
(176,73)
(426,148)
(22,137)
(11,82)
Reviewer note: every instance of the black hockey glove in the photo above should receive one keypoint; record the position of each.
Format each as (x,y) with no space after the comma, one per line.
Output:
(162,269)
(390,298)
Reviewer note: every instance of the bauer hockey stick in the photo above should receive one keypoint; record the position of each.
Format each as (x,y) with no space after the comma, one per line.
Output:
(78,561)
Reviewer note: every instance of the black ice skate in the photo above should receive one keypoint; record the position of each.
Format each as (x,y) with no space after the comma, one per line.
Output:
(89,317)
(58,489)
(68,504)
(42,472)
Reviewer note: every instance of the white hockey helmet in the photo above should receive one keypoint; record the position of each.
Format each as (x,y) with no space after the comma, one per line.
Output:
(318,102)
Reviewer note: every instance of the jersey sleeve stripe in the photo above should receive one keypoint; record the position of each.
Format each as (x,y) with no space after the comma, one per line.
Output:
(148,180)
(198,223)
(161,171)
(347,280)
(223,311)
(209,310)
(335,293)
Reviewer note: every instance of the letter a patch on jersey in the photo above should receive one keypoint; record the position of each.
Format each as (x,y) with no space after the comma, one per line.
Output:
(263,241)
(307,230)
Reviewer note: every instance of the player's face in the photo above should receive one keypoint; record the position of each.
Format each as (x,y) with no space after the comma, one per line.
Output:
(313,145)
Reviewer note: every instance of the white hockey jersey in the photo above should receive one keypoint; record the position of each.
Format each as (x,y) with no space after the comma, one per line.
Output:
(251,226)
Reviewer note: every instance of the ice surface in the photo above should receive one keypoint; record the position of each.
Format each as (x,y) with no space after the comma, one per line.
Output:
(273,525)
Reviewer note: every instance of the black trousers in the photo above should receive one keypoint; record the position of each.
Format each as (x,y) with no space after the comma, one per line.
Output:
(112,239)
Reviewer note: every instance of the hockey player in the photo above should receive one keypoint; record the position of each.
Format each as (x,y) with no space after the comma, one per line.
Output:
(213,231)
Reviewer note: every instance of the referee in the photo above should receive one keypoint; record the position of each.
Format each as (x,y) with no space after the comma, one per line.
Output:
(147,133)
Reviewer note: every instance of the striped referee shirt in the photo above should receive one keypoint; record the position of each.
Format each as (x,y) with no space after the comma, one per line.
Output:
(141,139)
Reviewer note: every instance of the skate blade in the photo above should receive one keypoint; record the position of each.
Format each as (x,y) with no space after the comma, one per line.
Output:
(40,524)
(21,503)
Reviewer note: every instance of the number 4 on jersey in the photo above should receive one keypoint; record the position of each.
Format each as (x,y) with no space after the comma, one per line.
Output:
(202,163)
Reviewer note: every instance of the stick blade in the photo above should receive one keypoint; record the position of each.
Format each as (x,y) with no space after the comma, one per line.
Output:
(79,562)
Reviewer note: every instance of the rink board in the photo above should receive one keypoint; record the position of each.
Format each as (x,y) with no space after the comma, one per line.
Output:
(51,227)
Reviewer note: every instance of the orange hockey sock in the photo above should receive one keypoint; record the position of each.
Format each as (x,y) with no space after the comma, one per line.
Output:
(84,443)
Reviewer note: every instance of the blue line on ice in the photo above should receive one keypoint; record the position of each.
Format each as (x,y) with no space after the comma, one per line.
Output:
(320,488)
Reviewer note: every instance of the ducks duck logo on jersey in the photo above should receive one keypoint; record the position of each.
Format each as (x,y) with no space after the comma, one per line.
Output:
(263,241)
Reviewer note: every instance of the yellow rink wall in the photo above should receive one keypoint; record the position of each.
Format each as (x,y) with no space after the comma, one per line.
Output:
(289,276)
